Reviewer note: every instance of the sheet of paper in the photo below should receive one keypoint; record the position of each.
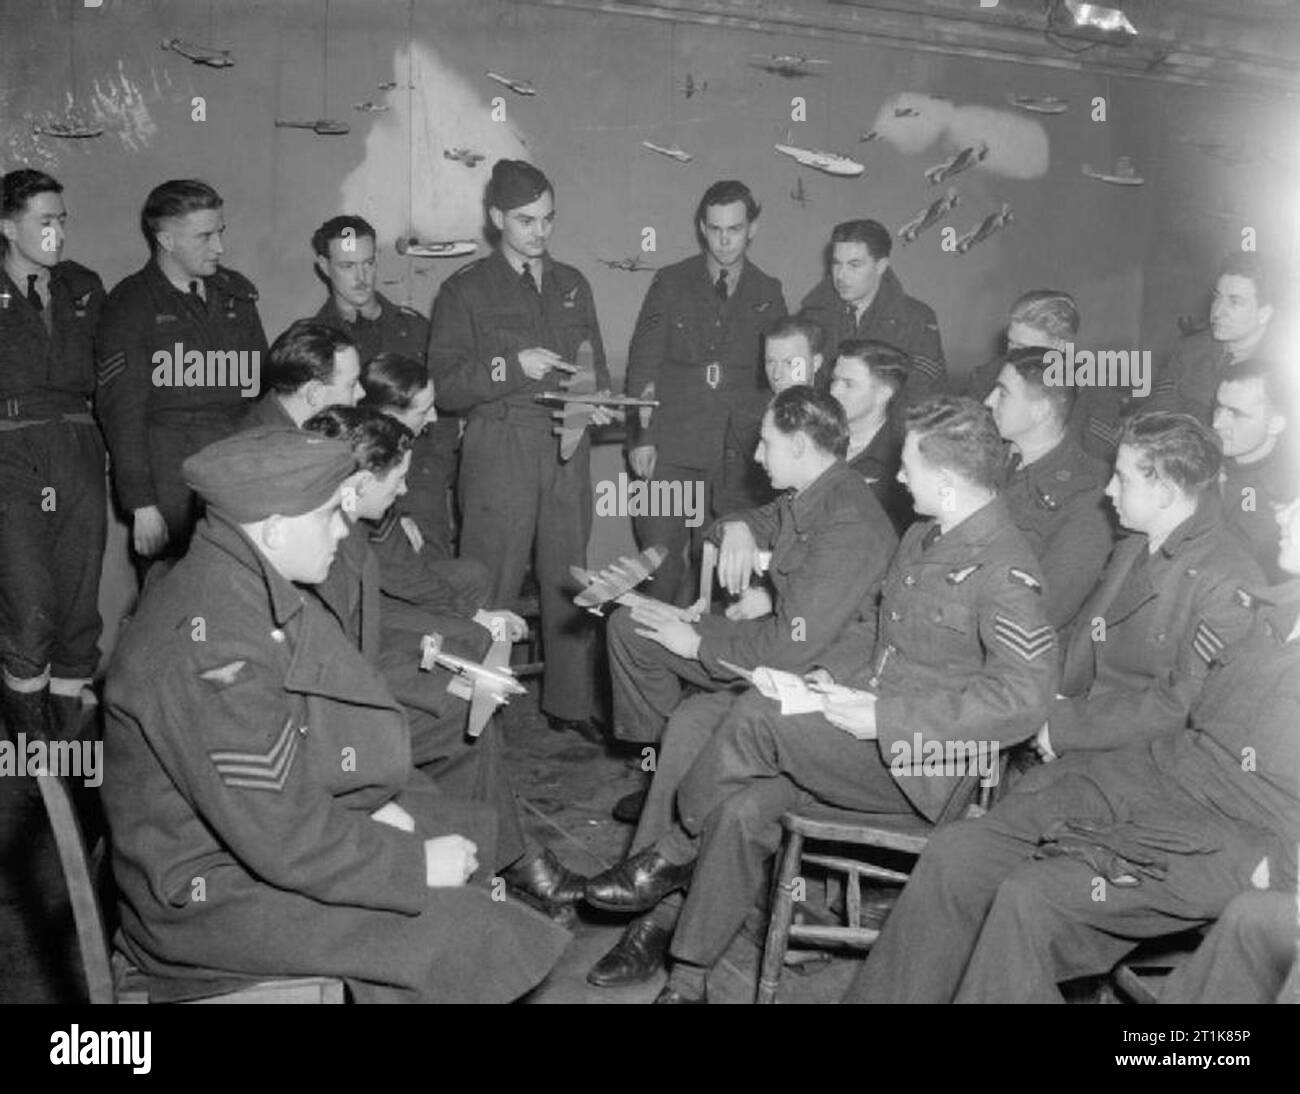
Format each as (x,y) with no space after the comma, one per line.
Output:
(789,690)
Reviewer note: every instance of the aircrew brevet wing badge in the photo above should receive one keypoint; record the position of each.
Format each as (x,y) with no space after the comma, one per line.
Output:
(956,577)
(226,674)
(1025,578)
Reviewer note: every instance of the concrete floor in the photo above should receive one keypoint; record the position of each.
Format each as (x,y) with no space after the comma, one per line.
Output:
(566,787)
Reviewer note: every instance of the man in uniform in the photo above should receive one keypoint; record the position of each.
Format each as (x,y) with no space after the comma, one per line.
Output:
(862,297)
(866,381)
(1259,467)
(1169,603)
(697,345)
(52,515)
(1052,487)
(157,410)
(266,819)
(504,329)
(963,655)
(1242,313)
(345,259)
(1088,857)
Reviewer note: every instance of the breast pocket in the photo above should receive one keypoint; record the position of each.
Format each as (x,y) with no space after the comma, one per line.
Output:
(683,339)
(506,332)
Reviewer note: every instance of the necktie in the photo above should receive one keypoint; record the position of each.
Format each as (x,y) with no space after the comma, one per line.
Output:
(33,297)
(527,278)
(720,286)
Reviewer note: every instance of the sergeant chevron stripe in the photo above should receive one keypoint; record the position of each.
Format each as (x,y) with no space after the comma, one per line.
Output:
(1206,643)
(1029,643)
(928,367)
(109,367)
(260,770)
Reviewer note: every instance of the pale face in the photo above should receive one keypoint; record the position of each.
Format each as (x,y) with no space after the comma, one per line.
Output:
(420,413)
(1235,312)
(857,390)
(789,361)
(194,241)
(302,548)
(1138,498)
(344,388)
(779,454)
(1023,336)
(1288,521)
(1243,420)
(36,233)
(350,270)
(930,485)
(727,232)
(855,273)
(526,230)
(1016,407)
(376,493)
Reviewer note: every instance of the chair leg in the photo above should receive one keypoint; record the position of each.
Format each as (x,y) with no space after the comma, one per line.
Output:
(778,928)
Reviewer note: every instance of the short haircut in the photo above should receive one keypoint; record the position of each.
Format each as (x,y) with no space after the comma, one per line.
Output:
(1032,363)
(1176,447)
(18,187)
(958,434)
(727,192)
(887,364)
(334,228)
(1267,373)
(303,353)
(874,234)
(392,381)
(799,323)
(1053,312)
(1256,270)
(804,409)
(377,441)
(174,198)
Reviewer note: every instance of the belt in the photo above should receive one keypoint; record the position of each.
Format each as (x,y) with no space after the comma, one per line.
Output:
(529,415)
(81,417)
(42,406)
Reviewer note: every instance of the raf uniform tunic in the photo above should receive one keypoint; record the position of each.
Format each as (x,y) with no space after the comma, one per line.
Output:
(152,429)
(518,501)
(704,357)
(52,508)
(1250,492)
(240,774)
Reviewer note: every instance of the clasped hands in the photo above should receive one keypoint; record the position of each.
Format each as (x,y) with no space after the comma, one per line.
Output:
(449,861)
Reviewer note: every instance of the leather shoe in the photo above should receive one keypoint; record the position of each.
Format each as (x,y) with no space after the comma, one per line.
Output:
(638,883)
(544,877)
(637,956)
(627,810)
(669,994)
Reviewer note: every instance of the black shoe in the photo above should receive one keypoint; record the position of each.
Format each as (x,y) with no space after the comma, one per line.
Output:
(545,878)
(627,810)
(669,994)
(638,883)
(585,728)
(636,957)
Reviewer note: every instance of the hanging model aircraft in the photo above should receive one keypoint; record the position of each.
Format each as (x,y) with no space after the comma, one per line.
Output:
(67,131)
(370,107)
(994,222)
(830,162)
(485,686)
(673,153)
(962,161)
(1123,175)
(323,127)
(519,87)
(627,265)
(467,156)
(451,248)
(200,55)
(1039,104)
(787,65)
(929,216)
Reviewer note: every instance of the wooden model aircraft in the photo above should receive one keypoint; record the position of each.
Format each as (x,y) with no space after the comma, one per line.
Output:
(485,686)
(616,582)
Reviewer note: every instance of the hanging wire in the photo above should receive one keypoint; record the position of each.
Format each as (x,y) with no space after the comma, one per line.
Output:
(325,65)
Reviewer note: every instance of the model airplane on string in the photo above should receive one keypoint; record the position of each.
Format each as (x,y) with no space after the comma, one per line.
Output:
(450,248)
(994,222)
(1039,104)
(787,65)
(66,131)
(929,216)
(200,55)
(615,582)
(519,87)
(690,88)
(323,127)
(673,153)
(467,156)
(962,161)
(485,686)
(832,163)
(627,265)
(370,107)
(1123,175)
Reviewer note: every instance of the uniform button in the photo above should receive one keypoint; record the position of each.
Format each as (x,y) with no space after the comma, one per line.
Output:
(894,617)
(1160,637)
(277,635)
(1191,571)
(909,580)
(302,731)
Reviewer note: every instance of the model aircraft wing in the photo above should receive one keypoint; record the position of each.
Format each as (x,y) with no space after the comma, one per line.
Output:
(481,706)
(498,656)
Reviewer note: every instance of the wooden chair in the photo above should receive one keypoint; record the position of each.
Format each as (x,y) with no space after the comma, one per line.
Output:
(893,835)
(110,977)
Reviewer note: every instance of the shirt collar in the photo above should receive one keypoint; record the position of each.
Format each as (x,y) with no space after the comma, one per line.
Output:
(982,526)
(733,275)
(804,504)
(227,536)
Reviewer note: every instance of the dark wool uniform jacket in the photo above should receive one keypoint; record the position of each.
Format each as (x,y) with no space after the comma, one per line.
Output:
(144,314)
(1144,642)
(1250,492)
(484,315)
(1058,504)
(44,374)
(830,546)
(703,355)
(1188,380)
(395,330)
(892,316)
(964,651)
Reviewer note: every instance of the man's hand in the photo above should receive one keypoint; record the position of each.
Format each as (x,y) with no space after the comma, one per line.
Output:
(413,534)
(737,557)
(148,531)
(538,362)
(449,861)
(857,716)
(393,814)
(754,603)
(501,624)
(603,415)
(819,679)
(1043,745)
(642,460)
(664,624)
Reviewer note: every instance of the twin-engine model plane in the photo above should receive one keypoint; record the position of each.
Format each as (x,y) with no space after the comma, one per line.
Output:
(485,686)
